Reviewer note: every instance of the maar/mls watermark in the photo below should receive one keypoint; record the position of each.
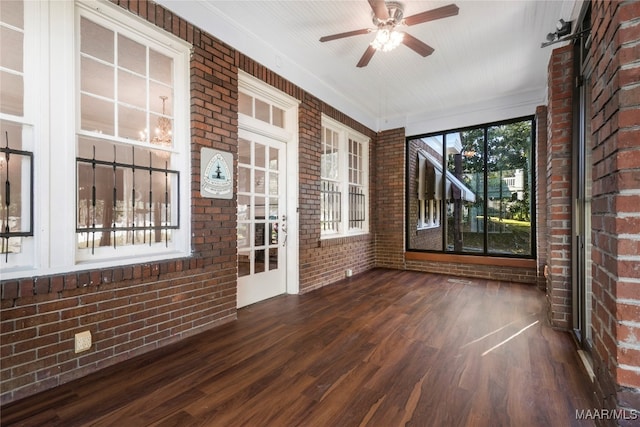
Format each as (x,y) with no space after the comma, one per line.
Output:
(607,414)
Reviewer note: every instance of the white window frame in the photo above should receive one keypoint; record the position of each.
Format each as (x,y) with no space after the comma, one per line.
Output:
(52,94)
(344,135)
(429,214)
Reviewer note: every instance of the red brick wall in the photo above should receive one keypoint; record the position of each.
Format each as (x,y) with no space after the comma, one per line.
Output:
(541,195)
(558,167)
(134,309)
(616,202)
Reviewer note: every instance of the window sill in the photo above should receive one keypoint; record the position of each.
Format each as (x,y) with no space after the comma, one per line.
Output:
(428,227)
(342,239)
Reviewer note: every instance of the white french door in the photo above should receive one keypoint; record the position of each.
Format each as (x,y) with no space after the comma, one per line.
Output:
(262,220)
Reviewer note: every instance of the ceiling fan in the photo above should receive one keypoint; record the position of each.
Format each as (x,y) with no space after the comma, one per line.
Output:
(387,15)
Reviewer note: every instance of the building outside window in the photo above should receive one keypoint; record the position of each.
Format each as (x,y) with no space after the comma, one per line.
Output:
(344,197)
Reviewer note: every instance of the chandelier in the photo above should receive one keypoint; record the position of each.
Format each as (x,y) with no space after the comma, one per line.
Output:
(387,39)
(162,133)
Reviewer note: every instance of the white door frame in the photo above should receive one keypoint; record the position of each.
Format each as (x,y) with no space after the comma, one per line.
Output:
(289,135)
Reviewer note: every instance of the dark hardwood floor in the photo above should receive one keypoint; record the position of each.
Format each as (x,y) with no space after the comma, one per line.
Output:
(384,348)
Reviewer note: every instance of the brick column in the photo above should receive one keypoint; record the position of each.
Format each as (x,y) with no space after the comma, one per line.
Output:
(541,195)
(616,203)
(558,166)
(389,207)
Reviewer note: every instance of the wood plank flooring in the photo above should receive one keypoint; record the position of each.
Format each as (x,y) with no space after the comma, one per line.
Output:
(384,348)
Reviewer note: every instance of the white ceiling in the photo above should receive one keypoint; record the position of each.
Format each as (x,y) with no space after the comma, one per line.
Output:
(487,65)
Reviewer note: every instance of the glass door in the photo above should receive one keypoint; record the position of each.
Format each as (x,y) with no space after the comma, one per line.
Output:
(262,222)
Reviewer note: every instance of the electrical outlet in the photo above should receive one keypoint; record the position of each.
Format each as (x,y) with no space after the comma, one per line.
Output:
(83,341)
(348,272)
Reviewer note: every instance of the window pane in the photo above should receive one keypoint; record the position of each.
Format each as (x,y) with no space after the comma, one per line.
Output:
(425,193)
(96,41)
(132,55)
(245,104)
(278,117)
(11,48)
(132,89)
(508,191)
(464,191)
(97,115)
(131,122)
(15,169)
(262,111)
(160,99)
(160,67)
(97,78)
(162,130)
(13,13)
(11,94)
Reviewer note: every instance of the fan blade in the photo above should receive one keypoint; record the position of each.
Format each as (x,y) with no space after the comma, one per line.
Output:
(366,57)
(418,46)
(380,9)
(343,35)
(432,15)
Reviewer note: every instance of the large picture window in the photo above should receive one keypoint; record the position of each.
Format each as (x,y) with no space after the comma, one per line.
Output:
(344,173)
(469,191)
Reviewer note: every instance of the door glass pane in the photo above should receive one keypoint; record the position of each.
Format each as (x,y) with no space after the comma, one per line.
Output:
(273,233)
(259,182)
(273,183)
(244,179)
(244,263)
(509,189)
(273,159)
(259,265)
(260,156)
(273,258)
(244,151)
(243,235)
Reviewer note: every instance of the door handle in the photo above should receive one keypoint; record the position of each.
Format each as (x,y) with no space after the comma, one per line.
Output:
(284,230)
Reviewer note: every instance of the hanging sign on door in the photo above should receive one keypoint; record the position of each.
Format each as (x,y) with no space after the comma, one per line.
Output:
(216,177)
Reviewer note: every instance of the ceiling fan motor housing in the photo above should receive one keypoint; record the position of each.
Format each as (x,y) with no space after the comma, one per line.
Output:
(396,12)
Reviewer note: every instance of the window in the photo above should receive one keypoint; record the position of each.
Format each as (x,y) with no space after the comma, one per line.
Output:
(16,142)
(128,191)
(469,190)
(344,180)
(106,136)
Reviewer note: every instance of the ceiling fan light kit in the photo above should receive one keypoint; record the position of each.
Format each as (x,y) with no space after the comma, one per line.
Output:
(386,17)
